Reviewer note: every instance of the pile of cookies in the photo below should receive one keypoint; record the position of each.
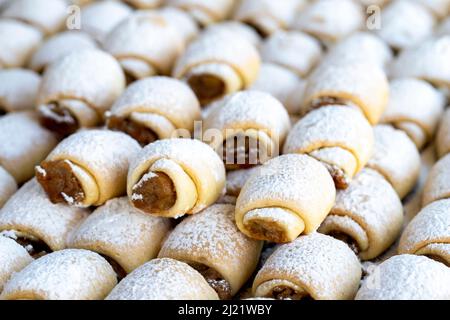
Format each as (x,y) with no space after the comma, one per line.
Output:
(226,149)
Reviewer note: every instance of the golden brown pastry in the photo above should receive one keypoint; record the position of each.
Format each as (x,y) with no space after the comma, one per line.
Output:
(360,46)
(18,89)
(8,186)
(414,107)
(443,135)
(268,16)
(294,50)
(361,84)
(59,46)
(88,168)
(36,223)
(407,277)
(217,63)
(163,279)
(78,89)
(173,177)
(330,20)
(23,144)
(70,274)
(437,186)
(281,83)
(246,128)
(205,12)
(155,108)
(427,61)
(428,234)
(287,196)
(396,158)
(145,44)
(211,243)
(126,237)
(368,215)
(13,257)
(145,4)
(47,16)
(338,136)
(314,266)
(398,33)
(18,42)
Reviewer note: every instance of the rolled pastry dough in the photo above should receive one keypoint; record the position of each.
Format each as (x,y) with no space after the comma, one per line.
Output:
(246,128)
(428,61)
(121,233)
(88,168)
(315,266)
(211,243)
(33,217)
(219,62)
(294,50)
(18,89)
(163,279)
(330,20)
(70,274)
(339,136)
(369,212)
(13,257)
(18,41)
(145,4)
(281,83)
(287,196)
(407,277)
(242,29)
(205,12)
(193,171)
(23,144)
(145,44)
(396,158)
(77,89)
(398,33)
(48,16)
(361,46)
(236,180)
(8,186)
(59,46)
(443,135)
(359,83)
(441,8)
(158,106)
(415,107)
(437,186)
(268,16)
(428,233)
(184,24)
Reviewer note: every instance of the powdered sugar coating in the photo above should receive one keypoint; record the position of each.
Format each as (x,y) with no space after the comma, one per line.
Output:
(8,186)
(428,61)
(443,135)
(204,11)
(430,225)
(437,185)
(163,279)
(211,237)
(145,4)
(46,15)
(440,8)
(395,157)
(330,20)
(13,257)
(407,277)
(398,33)
(89,75)
(239,28)
(30,211)
(99,18)
(120,231)
(293,50)
(326,268)
(59,46)
(333,126)
(19,153)
(18,89)
(181,21)
(18,41)
(70,274)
